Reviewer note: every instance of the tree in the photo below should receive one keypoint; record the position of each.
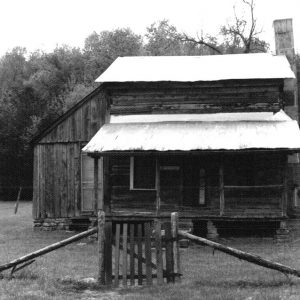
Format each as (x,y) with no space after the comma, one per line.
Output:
(102,49)
(242,34)
(239,36)
(163,39)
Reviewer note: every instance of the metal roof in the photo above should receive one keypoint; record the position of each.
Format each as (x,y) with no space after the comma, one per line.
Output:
(197,68)
(195,135)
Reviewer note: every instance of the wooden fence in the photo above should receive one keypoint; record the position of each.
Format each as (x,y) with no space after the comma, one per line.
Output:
(139,252)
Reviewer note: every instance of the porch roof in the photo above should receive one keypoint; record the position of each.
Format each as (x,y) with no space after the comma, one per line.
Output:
(209,135)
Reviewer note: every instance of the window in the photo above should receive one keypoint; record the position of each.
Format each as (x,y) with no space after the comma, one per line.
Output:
(142,173)
(87,182)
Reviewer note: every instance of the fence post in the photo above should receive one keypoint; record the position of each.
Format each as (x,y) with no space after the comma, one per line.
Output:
(169,253)
(101,270)
(174,229)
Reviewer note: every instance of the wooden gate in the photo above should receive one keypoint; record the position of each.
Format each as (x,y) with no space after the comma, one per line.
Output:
(138,252)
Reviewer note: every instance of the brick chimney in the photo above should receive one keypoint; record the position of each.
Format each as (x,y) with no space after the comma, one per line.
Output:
(284,43)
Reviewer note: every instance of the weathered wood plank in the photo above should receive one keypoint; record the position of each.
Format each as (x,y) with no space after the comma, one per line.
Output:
(101,239)
(157,185)
(158,246)
(255,259)
(132,250)
(169,253)
(221,184)
(124,267)
(140,253)
(174,229)
(117,254)
(148,253)
(108,253)
(35,213)
(96,184)
(195,108)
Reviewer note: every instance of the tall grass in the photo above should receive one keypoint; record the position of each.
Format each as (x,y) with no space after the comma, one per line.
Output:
(206,275)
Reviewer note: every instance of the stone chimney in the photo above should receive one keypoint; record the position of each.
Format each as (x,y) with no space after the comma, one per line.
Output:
(284,43)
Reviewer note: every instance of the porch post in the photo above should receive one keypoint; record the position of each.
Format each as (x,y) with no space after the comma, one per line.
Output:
(221,186)
(157,185)
(98,209)
(284,190)
(96,182)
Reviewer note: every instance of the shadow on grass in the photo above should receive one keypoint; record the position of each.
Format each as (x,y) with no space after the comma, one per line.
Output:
(249,284)
(24,275)
(79,285)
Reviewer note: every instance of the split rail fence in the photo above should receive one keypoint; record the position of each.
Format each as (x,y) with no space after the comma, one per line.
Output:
(138,252)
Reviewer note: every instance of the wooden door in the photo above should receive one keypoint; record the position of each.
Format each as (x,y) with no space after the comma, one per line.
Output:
(87,182)
(170,185)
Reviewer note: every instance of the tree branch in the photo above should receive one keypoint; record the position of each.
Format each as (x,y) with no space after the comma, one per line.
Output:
(185,38)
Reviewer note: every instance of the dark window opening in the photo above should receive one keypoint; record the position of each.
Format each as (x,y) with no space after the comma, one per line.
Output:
(142,173)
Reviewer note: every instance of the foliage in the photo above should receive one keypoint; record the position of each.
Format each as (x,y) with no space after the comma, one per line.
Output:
(102,49)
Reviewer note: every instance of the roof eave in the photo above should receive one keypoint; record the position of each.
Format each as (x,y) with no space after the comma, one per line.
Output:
(191,152)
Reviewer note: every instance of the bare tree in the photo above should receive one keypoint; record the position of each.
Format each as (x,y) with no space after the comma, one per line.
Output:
(243,32)
(240,36)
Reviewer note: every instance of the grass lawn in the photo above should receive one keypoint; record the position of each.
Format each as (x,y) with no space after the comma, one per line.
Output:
(206,275)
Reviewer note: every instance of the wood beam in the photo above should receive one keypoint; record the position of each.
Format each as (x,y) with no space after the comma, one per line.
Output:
(157,185)
(221,186)
(284,190)
(96,179)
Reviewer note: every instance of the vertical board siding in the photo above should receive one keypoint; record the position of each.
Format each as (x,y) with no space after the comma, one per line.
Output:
(57,180)
(57,165)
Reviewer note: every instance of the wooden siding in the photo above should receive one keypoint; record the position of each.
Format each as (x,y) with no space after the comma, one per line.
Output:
(57,167)
(266,202)
(57,189)
(57,161)
(228,96)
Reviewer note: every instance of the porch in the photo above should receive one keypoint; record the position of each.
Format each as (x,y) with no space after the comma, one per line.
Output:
(206,167)
(199,186)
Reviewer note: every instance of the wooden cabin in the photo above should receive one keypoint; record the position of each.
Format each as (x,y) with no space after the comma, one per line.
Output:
(205,136)
(215,138)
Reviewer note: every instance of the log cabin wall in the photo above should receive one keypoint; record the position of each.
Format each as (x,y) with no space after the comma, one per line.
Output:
(200,97)
(253,185)
(57,158)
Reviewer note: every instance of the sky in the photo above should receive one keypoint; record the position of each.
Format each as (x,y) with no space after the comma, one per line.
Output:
(45,24)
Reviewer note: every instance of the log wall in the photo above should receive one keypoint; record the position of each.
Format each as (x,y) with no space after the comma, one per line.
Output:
(255,200)
(201,97)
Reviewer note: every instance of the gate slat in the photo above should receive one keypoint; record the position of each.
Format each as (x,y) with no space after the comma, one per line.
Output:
(140,255)
(108,253)
(159,259)
(148,253)
(117,254)
(124,272)
(132,273)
